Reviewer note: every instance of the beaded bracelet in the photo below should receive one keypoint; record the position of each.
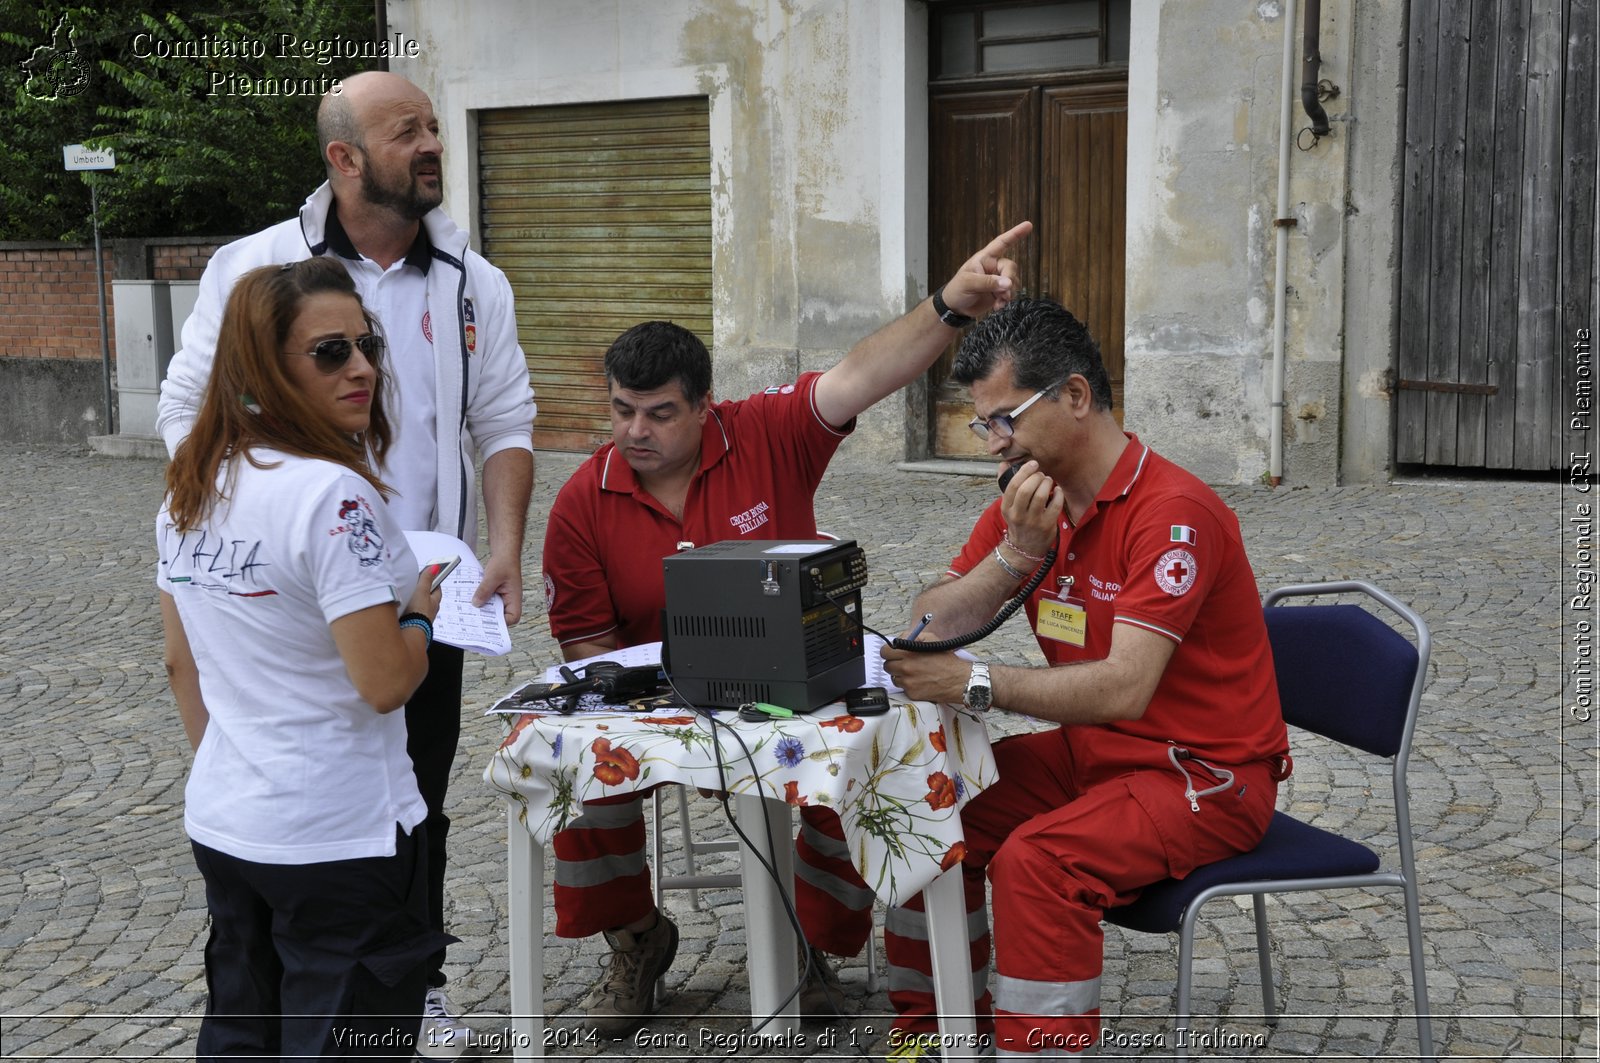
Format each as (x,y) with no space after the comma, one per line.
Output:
(1006,535)
(1006,565)
(422,624)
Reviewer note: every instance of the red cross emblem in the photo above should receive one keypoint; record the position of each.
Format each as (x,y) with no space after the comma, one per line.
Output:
(1174,571)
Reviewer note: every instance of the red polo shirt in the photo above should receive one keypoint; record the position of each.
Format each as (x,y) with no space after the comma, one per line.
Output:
(761,459)
(1159,549)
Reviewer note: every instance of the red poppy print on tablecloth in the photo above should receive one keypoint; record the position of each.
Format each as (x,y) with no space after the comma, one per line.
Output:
(522,722)
(613,766)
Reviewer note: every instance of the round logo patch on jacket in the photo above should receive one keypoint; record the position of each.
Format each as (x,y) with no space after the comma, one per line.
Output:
(1175,572)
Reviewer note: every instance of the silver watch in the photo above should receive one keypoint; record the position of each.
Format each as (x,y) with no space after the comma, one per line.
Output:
(980,695)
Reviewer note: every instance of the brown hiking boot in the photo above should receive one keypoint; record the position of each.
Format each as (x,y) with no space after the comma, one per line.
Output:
(625,997)
(821,995)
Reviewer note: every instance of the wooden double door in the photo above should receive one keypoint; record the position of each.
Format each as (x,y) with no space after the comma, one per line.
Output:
(1499,255)
(1052,153)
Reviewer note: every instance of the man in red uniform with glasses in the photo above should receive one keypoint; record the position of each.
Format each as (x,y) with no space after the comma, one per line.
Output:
(1171,741)
(683,471)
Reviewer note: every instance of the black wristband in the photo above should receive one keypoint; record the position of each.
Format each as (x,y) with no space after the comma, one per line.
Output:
(947,315)
(422,623)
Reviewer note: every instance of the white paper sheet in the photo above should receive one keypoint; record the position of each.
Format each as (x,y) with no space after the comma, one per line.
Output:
(876,676)
(481,630)
(628,657)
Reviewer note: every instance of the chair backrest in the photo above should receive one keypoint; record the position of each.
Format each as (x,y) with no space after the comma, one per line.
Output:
(1344,674)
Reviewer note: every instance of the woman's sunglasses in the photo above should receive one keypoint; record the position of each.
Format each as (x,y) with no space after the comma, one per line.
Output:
(331,355)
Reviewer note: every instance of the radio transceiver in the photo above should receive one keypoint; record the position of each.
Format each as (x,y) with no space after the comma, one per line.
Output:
(774,621)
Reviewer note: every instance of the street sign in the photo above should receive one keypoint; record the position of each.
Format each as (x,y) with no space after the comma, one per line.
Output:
(79,157)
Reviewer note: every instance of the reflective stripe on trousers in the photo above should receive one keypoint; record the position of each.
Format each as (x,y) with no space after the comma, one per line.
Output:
(1045,1020)
(602,879)
(905,942)
(832,901)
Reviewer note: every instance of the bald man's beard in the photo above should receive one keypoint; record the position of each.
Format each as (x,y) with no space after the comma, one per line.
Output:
(407,197)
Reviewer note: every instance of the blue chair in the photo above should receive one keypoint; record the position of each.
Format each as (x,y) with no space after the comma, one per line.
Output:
(1347,676)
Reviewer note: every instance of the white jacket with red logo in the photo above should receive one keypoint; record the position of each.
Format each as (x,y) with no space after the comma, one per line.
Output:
(483,389)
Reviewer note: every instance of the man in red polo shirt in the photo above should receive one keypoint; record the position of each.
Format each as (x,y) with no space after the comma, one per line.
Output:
(1171,741)
(680,472)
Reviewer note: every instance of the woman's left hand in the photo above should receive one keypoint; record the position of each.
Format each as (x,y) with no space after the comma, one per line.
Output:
(424,599)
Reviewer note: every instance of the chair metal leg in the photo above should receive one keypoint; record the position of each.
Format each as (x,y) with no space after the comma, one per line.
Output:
(1419,979)
(691,879)
(1269,1004)
(656,872)
(688,842)
(1185,982)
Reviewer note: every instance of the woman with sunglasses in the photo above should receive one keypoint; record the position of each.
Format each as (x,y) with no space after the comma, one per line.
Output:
(295,624)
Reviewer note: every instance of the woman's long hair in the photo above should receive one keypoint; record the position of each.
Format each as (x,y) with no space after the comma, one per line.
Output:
(250,401)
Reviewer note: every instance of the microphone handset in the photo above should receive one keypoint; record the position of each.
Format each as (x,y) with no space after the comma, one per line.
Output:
(612,680)
(1006,611)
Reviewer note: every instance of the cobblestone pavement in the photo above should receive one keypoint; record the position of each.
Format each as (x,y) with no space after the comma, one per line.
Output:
(102,913)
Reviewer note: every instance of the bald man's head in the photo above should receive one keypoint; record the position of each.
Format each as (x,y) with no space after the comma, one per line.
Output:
(340,116)
(391,156)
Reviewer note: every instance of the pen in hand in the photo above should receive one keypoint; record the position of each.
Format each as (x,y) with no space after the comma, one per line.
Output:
(927,618)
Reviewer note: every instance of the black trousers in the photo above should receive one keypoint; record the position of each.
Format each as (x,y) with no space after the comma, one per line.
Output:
(316,960)
(433,729)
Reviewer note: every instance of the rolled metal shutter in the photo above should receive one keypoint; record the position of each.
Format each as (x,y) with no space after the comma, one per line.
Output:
(600,215)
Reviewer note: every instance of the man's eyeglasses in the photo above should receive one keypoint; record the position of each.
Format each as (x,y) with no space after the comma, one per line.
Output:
(1003,425)
(331,355)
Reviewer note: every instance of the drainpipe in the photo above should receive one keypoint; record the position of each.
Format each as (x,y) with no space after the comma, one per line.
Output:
(380,28)
(1282,222)
(1310,68)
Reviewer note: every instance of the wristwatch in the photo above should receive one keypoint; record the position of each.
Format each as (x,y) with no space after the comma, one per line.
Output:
(947,315)
(980,695)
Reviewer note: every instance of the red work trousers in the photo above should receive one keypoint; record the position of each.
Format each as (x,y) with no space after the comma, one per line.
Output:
(1066,833)
(602,880)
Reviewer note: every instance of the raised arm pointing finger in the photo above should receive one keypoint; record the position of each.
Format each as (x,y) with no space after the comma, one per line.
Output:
(988,280)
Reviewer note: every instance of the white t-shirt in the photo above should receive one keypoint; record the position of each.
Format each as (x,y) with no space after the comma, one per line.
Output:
(294,768)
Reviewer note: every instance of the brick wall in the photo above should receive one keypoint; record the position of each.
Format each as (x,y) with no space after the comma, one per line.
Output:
(51,309)
(180,262)
(48,302)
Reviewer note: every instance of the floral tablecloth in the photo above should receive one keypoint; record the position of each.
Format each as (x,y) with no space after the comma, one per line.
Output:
(897,781)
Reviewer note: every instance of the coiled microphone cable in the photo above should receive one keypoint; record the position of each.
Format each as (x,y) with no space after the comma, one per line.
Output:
(1005,613)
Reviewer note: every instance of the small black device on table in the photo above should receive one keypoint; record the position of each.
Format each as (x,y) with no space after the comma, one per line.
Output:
(866,701)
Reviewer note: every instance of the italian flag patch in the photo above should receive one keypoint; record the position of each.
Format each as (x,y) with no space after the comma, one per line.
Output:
(1182,533)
